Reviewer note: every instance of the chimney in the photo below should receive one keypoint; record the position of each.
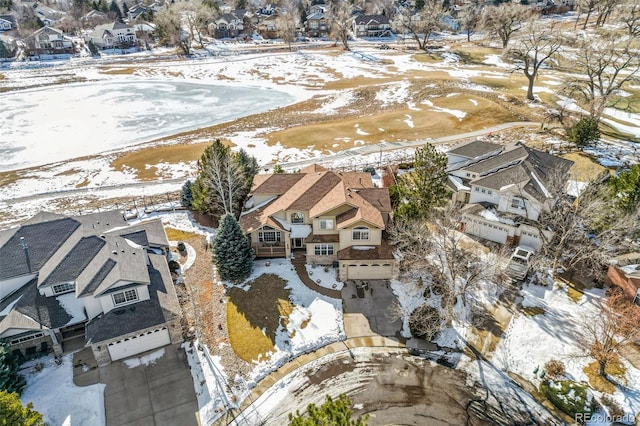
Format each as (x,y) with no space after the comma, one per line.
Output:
(25,247)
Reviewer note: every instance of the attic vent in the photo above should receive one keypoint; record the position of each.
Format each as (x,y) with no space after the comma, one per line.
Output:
(114,252)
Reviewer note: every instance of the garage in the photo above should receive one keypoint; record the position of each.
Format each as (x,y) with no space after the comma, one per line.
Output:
(369,271)
(139,343)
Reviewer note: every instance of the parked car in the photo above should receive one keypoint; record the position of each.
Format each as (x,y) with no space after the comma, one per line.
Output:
(519,263)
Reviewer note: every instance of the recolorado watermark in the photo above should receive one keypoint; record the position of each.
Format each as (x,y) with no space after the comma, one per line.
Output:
(626,418)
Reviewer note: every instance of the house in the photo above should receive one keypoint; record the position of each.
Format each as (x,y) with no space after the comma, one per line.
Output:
(113,35)
(94,17)
(136,11)
(503,189)
(229,25)
(317,24)
(625,273)
(7,23)
(91,278)
(330,218)
(49,41)
(267,26)
(45,13)
(371,26)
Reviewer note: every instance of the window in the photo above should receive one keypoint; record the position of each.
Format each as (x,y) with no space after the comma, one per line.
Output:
(483,190)
(63,288)
(360,233)
(477,189)
(297,218)
(489,191)
(323,249)
(269,236)
(517,203)
(126,296)
(26,338)
(468,174)
(326,224)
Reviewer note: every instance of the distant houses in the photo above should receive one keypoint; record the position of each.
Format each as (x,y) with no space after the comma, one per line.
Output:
(49,41)
(113,35)
(7,23)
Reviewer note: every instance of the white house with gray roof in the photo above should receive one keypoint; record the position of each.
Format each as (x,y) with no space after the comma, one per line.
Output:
(502,190)
(93,277)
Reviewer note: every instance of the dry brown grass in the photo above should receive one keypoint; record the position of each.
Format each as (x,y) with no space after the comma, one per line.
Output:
(584,168)
(532,311)
(254,316)
(178,235)
(614,369)
(7,178)
(140,159)
(1,76)
(118,71)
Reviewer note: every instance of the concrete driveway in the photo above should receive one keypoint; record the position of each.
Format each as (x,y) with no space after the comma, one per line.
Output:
(160,393)
(367,311)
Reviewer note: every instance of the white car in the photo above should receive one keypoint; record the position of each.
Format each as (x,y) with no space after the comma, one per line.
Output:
(519,264)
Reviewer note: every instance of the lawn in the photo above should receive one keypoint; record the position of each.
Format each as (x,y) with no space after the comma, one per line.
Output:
(255,315)
(584,168)
(179,235)
(614,369)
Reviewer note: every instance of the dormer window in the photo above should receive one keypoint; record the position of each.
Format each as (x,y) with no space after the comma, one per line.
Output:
(125,297)
(297,218)
(517,203)
(326,224)
(360,233)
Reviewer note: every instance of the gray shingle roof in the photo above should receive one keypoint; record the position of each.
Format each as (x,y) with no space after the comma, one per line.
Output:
(43,240)
(139,237)
(163,306)
(505,159)
(75,261)
(44,310)
(475,149)
(155,235)
(98,278)
(366,19)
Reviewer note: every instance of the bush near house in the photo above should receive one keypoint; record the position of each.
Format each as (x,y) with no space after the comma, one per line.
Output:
(554,369)
(233,254)
(10,379)
(570,397)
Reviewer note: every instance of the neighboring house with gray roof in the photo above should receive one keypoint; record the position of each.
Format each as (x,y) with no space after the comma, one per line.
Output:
(92,276)
(502,190)
(113,35)
(371,26)
(7,23)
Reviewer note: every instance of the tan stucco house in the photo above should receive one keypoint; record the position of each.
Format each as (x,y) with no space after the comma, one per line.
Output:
(331,218)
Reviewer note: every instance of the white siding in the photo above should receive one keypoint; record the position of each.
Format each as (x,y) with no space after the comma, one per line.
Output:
(107,300)
(491,231)
(480,194)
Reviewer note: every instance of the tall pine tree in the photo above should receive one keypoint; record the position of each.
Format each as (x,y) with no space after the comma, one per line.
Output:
(232,251)
(10,379)
(13,413)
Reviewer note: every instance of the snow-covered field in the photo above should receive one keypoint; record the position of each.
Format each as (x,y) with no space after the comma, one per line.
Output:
(51,390)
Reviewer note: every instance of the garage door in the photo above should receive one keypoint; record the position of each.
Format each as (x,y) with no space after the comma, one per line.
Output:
(375,271)
(140,343)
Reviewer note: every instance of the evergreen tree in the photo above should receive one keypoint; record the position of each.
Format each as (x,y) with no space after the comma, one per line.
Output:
(232,250)
(584,133)
(419,4)
(13,413)
(125,9)
(333,412)
(186,195)
(10,379)
(424,188)
(113,7)
(277,169)
(626,189)
(93,48)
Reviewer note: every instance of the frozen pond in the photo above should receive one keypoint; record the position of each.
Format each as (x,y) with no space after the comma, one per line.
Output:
(42,126)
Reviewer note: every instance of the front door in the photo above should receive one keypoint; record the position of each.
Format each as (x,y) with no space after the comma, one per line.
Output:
(297,243)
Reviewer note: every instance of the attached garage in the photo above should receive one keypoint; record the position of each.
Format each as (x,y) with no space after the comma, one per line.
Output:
(369,271)
(139,343)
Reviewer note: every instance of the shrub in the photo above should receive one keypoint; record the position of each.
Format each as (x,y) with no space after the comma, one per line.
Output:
(333,412)
(186,195)
(554,369)
(424,322)
(173,266)
(613,408)
(370,170)
(10,379)
(584,133)
(569,397)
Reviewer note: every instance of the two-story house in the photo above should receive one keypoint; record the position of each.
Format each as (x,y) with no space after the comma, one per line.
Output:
(330,218)
(371,26)
(317,23)
(229,25)
(502,190)
(113,35)
(93,278)
(49,41)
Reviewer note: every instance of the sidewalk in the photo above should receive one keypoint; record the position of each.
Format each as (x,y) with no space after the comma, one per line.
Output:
(299,263)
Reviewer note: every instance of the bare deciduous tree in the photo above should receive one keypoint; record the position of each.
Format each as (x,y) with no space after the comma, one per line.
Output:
(629,15)
(469,19)
(532,49)
(195,16)
(602,67)
(504,20)
(341,21)
(585,6)
(169,28)
(422,23)
(613,327)
(288,19)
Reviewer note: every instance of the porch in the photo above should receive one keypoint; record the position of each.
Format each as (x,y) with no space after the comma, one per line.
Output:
(269,250)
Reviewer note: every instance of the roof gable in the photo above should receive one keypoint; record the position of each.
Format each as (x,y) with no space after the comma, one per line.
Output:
(75,261)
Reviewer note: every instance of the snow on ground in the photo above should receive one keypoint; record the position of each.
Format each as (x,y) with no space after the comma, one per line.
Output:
(53,394)
(325,278)
(531,341)
(316,321)
(456,113)
(148,359)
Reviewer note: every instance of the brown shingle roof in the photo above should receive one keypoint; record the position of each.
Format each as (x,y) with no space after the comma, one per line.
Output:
(383,251)
(324,238)
(318,192)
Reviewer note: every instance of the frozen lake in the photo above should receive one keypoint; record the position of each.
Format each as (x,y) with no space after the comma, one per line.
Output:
(42,126)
